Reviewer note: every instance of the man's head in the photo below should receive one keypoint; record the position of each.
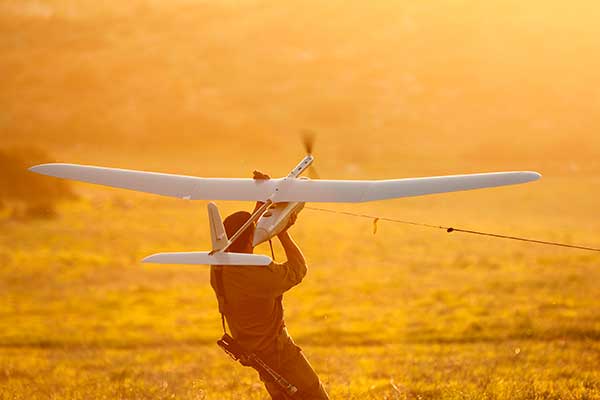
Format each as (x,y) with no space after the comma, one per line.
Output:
(232,223)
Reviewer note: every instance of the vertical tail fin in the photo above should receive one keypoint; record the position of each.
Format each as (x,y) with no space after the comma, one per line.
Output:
(217,230)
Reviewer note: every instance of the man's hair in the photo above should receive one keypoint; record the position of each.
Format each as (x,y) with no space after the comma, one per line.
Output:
(234,222)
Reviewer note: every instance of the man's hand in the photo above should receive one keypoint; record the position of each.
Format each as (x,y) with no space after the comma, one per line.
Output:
(291,221)
(292,251)
(260,176)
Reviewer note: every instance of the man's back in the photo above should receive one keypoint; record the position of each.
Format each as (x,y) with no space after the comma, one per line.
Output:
(254,308)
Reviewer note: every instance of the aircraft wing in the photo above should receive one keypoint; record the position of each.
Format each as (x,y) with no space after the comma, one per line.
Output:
(361,191)
(304,190)
(182,186)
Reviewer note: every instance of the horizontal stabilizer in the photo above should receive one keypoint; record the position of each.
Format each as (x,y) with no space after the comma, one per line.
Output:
(202,257)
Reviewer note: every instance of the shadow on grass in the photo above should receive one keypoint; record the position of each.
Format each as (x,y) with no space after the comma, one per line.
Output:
(319,338)
(345,338)
(58,344)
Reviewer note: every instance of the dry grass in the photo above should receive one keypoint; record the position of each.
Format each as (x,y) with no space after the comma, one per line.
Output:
(440,316)
(392,90)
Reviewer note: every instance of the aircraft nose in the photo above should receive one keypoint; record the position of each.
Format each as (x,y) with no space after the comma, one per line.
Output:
(260,235)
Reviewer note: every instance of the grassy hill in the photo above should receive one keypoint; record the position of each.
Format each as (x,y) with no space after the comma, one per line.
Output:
(220,88)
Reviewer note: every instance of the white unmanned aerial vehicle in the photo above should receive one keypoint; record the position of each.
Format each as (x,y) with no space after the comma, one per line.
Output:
(280,197)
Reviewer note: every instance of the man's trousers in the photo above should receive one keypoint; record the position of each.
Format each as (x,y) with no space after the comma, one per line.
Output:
(288,360)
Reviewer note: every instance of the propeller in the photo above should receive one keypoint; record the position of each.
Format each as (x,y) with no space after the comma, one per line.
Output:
(312,173)
(308,140)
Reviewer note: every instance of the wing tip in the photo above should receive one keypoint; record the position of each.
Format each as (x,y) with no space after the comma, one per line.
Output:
(152,258)
(532,175)
(47,168)
(39,168)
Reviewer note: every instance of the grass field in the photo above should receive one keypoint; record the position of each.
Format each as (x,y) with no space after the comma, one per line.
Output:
(392,90)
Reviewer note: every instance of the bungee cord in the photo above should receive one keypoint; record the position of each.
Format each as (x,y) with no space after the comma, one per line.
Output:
(450,229)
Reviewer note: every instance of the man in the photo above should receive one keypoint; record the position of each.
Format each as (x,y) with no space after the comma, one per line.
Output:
(254,310)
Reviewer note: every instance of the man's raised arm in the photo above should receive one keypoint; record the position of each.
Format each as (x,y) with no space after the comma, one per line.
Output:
(292,251)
